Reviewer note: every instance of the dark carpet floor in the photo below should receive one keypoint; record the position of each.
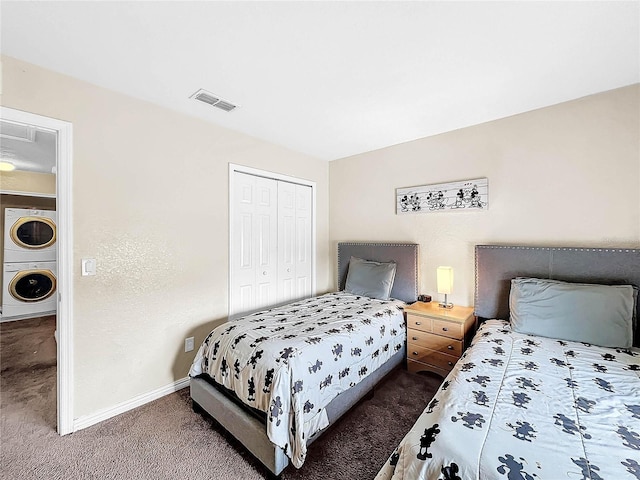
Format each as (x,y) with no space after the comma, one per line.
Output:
(165,439)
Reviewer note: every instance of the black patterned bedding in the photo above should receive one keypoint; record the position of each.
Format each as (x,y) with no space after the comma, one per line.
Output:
(523,407)
(291,361)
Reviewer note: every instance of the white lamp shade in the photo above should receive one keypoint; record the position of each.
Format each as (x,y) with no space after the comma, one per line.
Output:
(445,280)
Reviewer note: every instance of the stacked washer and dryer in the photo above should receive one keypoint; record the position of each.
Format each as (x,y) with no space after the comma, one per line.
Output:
(29,273)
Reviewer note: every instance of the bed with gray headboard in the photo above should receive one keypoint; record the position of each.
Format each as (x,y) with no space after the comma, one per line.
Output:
(531,399)
(341,314)
(497,265)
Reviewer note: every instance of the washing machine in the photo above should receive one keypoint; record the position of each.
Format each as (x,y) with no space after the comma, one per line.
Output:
(29,235)
(28,289)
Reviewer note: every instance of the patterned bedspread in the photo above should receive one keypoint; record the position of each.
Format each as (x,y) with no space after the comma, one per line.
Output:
(521,407)
(291,361)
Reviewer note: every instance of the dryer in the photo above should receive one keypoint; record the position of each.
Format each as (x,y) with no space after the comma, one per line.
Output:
(29,235)
(28,289)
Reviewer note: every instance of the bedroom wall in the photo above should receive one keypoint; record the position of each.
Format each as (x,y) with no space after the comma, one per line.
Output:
(566,175)
(150,203)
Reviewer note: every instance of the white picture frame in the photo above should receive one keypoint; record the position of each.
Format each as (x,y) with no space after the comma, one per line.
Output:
(464,195)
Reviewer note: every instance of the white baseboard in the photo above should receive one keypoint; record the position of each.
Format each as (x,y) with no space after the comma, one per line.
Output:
(104,414)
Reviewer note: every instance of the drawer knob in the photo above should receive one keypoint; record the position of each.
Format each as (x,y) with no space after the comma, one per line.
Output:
(414,338)
(450,364)
(445,329)
(415,353)
(418,323)
(450,347)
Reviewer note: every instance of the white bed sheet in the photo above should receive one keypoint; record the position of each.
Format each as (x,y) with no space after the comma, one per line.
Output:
(525,407)
(291,361)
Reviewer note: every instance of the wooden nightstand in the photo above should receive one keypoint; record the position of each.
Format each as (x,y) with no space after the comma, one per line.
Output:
(436,337)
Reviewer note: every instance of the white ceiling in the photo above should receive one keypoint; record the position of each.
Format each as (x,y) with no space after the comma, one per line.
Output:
(333,79)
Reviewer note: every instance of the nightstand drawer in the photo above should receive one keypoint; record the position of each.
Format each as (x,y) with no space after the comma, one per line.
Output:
(418,322)
(434,342)
(425,355)
(417,367)
(448,329)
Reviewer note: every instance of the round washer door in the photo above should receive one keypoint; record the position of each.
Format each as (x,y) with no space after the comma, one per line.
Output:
(32,285)
(34,232)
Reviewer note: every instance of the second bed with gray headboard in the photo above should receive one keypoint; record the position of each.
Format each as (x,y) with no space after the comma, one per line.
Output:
(265,377)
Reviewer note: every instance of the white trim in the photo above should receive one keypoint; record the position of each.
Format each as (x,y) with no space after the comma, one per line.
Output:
(267,174)
(276,176)
(64,202)
(64,322)
(135,402)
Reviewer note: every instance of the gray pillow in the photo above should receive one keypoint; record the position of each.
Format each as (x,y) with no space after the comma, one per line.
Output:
(370,279)
(597,314)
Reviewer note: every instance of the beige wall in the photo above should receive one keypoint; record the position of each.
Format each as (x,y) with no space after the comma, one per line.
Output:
(150,203)
(28,182)
(563,175)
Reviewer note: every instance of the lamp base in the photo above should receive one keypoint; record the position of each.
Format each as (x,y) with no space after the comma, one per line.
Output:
(445,304)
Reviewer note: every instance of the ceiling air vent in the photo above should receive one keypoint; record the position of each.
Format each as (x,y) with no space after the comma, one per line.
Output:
(213,100)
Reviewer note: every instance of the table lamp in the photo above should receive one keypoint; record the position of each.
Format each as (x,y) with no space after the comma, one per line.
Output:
(445,284)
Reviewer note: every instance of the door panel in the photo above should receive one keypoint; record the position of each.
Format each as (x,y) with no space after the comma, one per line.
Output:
(286,242)
(244,299)
(266,245)
(303,240)
(253,244)
(265,240)
(242,266)
(246,241)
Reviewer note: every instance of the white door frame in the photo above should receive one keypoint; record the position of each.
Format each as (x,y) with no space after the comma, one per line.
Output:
(276,176)
(64,322)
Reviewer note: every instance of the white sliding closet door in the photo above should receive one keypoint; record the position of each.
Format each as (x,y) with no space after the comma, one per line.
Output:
(254,252)
(271,242)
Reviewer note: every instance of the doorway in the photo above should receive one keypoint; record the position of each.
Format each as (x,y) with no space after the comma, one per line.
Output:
(25,125)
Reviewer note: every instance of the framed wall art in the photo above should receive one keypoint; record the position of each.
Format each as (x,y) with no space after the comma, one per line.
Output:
(463,195)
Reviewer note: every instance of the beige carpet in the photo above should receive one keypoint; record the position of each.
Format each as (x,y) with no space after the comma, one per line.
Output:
(166,439)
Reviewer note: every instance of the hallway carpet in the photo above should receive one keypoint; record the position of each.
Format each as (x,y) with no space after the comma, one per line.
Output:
(165,439)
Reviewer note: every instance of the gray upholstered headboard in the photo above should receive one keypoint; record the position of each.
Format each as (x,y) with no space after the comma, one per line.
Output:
(405,285)
(496,265)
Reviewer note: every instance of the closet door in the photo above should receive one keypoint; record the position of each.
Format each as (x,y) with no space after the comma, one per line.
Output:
(270,243)
(254,243)
(304,232)
(287,239)
(294,241)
